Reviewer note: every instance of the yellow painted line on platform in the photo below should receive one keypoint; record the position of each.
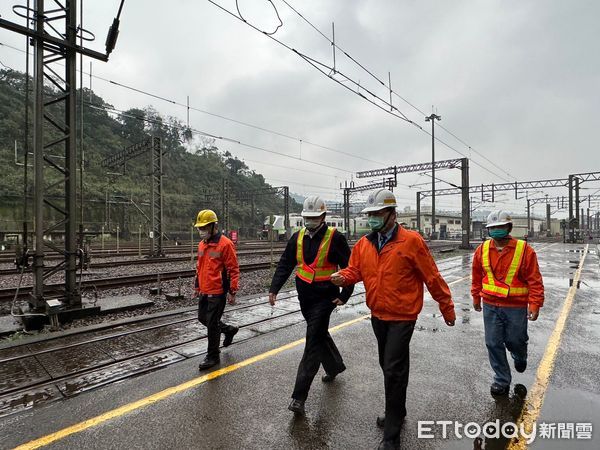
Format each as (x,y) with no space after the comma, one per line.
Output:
(535,399)
(162,395)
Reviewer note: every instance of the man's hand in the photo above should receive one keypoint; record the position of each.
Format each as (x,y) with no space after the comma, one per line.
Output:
(231,298)
(337,302)
(450,323)
(272,298)
(533,315)
(337,279)
(477,306)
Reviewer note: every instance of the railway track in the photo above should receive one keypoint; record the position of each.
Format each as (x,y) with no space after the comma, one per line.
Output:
(7,294)
(145,261)
(96,254)
(64,366)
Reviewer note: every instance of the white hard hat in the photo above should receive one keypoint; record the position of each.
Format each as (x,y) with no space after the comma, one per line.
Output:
(314,206)
(498,218)
(380,199)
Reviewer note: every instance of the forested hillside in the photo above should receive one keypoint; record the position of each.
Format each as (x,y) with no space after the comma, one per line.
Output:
(194,169)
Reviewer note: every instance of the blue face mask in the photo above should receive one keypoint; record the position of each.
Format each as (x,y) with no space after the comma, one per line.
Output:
(498,233)
(376,222)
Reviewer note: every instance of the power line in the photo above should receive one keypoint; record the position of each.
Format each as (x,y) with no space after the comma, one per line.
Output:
(229,119)
(375,98)
(389,88)
(204,133)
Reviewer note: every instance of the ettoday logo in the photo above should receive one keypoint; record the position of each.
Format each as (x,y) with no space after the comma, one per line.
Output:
(430,429)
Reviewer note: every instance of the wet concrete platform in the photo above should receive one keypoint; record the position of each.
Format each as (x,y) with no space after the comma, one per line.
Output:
(450,377)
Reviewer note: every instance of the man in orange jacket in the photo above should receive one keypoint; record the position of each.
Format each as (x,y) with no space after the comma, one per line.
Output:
(393,264)
(507,276)
(217,278)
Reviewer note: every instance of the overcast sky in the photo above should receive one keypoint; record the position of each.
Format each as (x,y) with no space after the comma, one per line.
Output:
(518,81)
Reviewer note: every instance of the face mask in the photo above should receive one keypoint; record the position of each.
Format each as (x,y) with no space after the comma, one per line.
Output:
(203,234)
(499,233)
(312,224)
(376,222)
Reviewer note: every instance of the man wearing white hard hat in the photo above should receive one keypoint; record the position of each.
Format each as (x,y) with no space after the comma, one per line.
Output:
(394,263)
(316,251)
(506,276)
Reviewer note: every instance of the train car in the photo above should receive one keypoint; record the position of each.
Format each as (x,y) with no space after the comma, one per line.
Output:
(359,226)
(297,222)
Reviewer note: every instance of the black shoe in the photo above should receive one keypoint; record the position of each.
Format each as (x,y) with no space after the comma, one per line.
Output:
(496,389)
(328,378)
(229,336)
(380,421)
(520,366)
(297,406)
(209,361)
(387,444)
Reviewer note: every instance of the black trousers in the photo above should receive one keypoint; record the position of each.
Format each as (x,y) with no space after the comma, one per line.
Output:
(210,311)
(393,340)
(319,348)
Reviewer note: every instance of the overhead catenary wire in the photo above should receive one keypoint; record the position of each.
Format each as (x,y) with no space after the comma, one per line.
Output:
(302,140)
(389,108)
(389,87)
(214,136)
(148,120)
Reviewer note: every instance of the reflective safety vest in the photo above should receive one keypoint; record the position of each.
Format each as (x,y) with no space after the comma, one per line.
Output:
(510,286)
(320,269)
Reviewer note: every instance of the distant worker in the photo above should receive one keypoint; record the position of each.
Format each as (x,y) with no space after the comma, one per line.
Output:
(217,279)
(507,276)
(393,264)
(316,251)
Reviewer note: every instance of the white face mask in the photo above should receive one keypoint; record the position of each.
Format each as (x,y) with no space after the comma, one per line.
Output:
(312,224)
(204,234)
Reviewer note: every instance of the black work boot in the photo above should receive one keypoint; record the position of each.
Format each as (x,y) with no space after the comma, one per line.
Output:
(520,365)
(209,361)
(297,406)
(496,389)
(388,444)
(328,378)
(229,336)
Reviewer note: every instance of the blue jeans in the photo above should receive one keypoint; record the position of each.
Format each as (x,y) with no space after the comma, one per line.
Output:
(505,329)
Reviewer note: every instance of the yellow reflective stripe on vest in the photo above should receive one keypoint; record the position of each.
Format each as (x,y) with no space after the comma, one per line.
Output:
(324,248)
(485,259)
(519,290)
(516,262)
(299,245)
(498,289)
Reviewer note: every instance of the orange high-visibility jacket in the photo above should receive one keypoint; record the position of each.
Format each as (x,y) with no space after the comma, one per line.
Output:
(394,278)
(527,284)
(217,269)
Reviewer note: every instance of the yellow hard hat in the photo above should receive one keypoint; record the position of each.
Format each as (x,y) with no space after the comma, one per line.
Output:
(205,217)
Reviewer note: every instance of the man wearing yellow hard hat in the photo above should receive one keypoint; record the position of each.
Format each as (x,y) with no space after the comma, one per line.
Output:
(217,281)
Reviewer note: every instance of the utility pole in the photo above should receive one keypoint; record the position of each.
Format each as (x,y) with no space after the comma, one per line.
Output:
(54,40)
(548,222)
(528,218)
(577,216)
(347,211)
(432,118)
(286,211)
